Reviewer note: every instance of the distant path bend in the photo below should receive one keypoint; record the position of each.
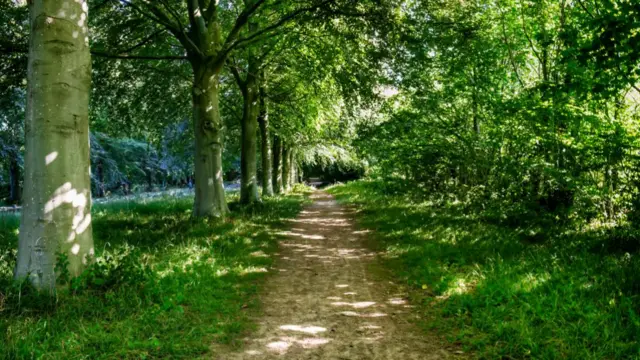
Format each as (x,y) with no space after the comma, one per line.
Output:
(324,303)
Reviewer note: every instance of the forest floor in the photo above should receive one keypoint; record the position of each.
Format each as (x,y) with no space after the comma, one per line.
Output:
(330,299)
(164,285)
(503,286)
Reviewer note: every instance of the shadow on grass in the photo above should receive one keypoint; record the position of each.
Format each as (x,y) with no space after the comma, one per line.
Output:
(482,284)
(164,284)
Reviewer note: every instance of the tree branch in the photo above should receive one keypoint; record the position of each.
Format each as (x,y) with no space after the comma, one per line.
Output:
(241,21)
(242,84)
(196,19)
(211,12)
(136,57)
(164,22)
(285,19)
(143,42)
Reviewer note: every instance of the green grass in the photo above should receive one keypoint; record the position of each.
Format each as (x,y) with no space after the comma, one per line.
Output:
(486,287)
(164,285)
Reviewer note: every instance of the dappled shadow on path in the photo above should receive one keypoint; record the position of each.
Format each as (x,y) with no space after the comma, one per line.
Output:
(323,301)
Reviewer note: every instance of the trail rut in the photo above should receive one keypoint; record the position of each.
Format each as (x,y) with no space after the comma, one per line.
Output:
(326,303)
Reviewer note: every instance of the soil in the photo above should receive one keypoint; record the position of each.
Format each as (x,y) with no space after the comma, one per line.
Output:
(328,301)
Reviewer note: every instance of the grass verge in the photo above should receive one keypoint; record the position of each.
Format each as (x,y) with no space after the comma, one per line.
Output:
(487,287)
(164,285)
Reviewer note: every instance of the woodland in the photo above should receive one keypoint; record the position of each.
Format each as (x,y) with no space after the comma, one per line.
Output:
(155,152)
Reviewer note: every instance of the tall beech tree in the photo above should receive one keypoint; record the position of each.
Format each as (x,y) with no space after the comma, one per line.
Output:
(56,213)
(248,69)
(250,89)
(208,31)
(249,72)
(266,151)
(276,180)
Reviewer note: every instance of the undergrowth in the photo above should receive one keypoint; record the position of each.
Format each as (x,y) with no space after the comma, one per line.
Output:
(164,285)
(500,290)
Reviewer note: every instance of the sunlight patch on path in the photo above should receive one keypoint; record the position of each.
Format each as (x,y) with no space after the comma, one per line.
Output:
(322,260)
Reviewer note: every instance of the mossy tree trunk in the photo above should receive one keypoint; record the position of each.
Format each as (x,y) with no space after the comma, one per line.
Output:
(267,169)
(210,200)
(249,145)
(249,87)
(286,167)
(56,214)
(294,168)
(207,51)
(277,165)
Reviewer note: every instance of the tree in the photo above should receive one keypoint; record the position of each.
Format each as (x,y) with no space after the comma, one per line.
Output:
(199,27)
(276,180)
(13,34)
(56,214)
(250,88)
(265,145)
(12,103)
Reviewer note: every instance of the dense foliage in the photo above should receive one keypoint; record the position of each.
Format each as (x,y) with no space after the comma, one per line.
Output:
(500,139)
(529,106)
(505,173)
(502,291)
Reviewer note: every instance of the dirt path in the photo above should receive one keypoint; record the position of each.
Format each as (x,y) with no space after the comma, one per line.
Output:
(326,304)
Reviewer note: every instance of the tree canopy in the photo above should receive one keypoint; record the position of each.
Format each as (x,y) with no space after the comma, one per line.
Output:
(523,113)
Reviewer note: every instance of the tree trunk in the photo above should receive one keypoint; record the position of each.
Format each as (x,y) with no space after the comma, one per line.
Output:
(249,145)
(286,168)
(100,176)
(210,197)
(277,165)
(149,180)
(14,179)
(294,168)
(300,175)
(263,121)
(56,213)
(147,168)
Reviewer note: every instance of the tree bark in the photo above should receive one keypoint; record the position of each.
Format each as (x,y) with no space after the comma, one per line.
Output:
(277,165)
(148,169)
(100,176)
(56,213)
(300,175)
(294,169)
(263,121)
(210,198)
(286,168)
(249,144)
(14,179)
(149,180)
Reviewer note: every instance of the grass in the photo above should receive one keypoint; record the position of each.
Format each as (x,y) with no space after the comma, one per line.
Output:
(164,285)
(487,287)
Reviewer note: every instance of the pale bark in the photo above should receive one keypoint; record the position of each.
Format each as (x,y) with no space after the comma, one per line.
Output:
(286,168)
(277,165)
(294,168)
(147,168)
(56,213)
(249,145)
(263,121)
(209,186)
(299,175)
